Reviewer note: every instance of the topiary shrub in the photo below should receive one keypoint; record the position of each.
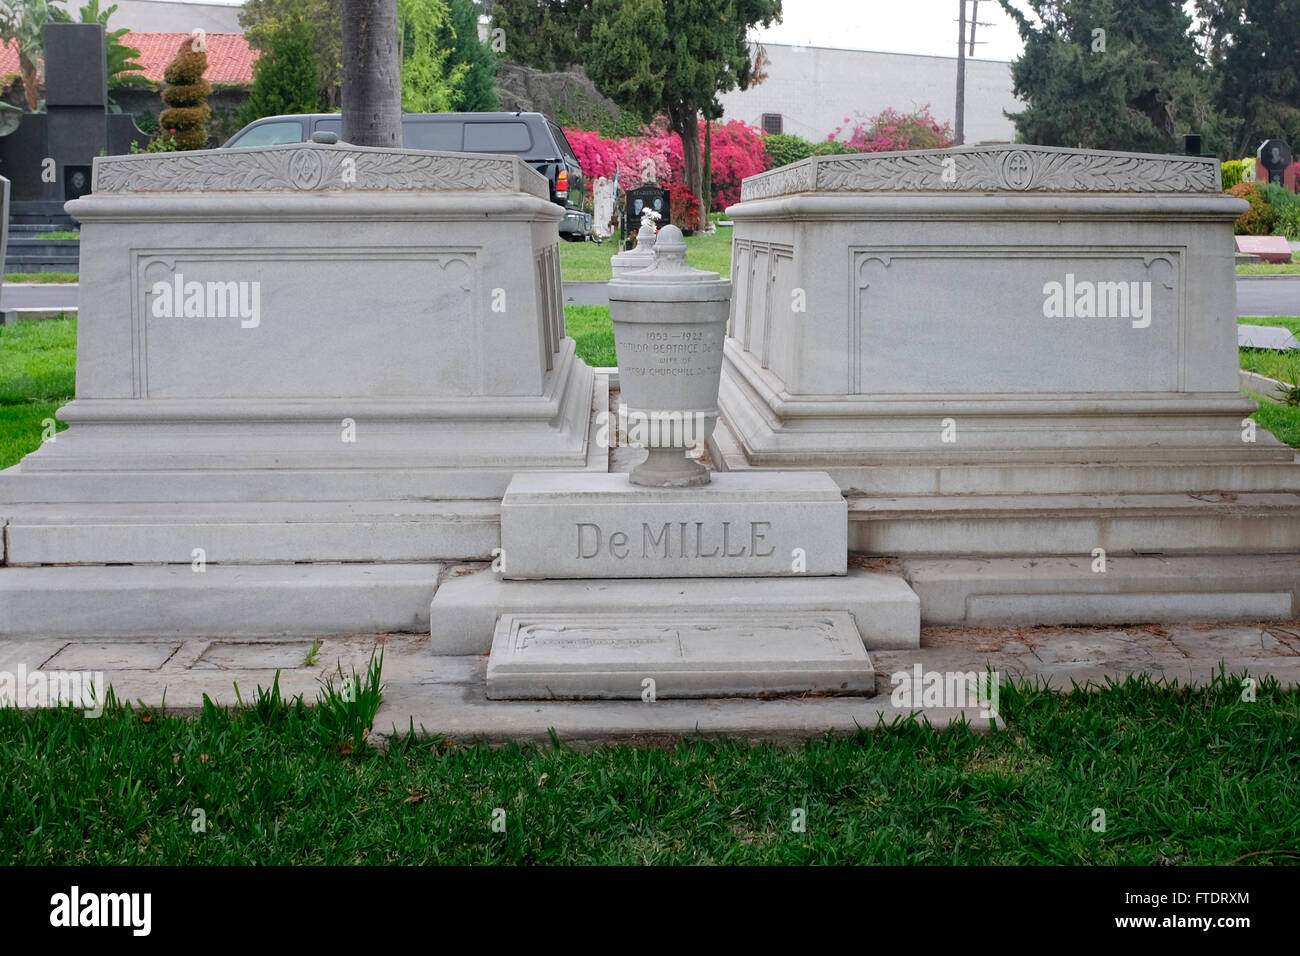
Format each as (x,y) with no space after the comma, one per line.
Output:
(1258,219)
(185,120)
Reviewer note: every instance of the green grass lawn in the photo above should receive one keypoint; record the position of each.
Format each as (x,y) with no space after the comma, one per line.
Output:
(1186,776)
(41,277)
(1283,422)
(588,262)
(38,362)
(592,332)
(1269,269)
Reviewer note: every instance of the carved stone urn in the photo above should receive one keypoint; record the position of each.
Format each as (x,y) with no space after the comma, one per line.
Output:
(670,321)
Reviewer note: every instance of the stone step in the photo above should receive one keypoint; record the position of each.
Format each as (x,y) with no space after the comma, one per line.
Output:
(583,525)
(247,532)
(464,612)
(1063,525)
(1154,470)
(1069,591)
(682,655)
(222,601)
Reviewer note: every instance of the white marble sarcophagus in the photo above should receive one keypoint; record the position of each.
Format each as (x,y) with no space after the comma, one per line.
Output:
(304,353)
(1013,354)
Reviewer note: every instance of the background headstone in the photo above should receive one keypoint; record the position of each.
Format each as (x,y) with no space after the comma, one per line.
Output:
(603,205)
(1268,248)
(1274,157)
(1266,337)
(653,197)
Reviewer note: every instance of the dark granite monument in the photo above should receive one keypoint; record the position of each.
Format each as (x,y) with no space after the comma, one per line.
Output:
(1274,157)
(49,155)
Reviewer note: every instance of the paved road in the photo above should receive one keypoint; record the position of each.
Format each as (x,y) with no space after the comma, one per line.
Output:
(56,295)
(1270,295)
(585,293)
(1265,296)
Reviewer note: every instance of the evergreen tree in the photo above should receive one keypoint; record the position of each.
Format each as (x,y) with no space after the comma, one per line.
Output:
(1254,48)
(429,79)
(477,89)
(546,34)
(674,57)
(285,76)
(1105,74)
(262,18)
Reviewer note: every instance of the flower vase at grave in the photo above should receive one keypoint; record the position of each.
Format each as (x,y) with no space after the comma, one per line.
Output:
(643,254)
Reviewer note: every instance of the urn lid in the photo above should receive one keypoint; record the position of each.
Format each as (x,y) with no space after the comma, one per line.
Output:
(669,278)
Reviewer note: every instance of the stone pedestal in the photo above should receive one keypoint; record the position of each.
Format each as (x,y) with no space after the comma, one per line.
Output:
(741,525)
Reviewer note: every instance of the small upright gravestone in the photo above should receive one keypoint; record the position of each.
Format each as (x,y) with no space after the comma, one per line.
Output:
(654,198)
(1274,157)
(602,216)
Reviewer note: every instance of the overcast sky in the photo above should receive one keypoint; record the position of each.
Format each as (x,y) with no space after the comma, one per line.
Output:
(894,26)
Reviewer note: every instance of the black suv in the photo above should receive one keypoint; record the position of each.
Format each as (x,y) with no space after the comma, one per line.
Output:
(530,136)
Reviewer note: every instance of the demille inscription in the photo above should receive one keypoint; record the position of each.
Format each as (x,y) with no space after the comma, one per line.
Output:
(678,539)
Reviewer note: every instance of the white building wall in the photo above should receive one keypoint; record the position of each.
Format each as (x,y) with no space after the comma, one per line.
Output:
(815,88)
(176,16)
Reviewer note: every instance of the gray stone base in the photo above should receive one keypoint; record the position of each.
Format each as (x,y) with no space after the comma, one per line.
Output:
(464,612)
(221,601)
(1067,591)
(646,657)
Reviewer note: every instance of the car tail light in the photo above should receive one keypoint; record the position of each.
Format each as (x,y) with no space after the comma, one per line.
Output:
(562,185)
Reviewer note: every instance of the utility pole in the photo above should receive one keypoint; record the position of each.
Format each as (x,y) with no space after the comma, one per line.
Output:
(974,22)
(959,137)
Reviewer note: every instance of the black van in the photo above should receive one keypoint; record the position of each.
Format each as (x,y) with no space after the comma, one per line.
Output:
(530,136)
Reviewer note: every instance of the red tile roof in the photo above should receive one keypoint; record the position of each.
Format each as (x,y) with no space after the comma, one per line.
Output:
(230,58)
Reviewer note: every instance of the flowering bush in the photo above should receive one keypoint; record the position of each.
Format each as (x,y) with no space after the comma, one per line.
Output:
(627,156)
(1258,219)
(737,152)
(891,130)
(685,207)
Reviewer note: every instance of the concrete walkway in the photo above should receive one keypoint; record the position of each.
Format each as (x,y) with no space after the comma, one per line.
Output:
(445,695)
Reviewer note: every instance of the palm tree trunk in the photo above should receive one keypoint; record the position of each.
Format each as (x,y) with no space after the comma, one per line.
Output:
(372,74)
(30,83)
